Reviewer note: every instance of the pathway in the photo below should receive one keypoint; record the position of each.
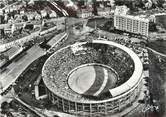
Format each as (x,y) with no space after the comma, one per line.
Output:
(161,54)
(15,69)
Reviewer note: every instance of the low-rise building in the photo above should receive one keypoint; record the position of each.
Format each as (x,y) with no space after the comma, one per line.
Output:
(105,12)
(121,10)
(85,13)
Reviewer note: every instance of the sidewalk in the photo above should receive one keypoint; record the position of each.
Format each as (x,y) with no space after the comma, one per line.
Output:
(22,40)
(39,113)
(161,54)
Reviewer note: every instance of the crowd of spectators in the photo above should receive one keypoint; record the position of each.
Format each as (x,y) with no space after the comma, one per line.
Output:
(123,60)
(129,43)
(60,64)
(123,40)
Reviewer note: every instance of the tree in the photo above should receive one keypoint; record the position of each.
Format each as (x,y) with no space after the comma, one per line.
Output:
(4,107)
(112,3)
(160,3)
(152,26)
(94,5)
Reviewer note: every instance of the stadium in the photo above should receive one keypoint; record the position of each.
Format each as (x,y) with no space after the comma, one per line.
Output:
(92,78)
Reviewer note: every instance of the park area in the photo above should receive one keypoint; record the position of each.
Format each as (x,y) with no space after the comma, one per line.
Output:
(159,46)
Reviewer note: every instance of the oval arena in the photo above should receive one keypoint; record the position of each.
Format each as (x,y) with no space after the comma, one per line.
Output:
(97,77)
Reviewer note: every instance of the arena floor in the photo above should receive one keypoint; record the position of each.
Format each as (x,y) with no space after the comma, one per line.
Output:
(92,80)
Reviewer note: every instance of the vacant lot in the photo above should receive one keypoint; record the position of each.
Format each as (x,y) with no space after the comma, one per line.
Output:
(159,46)
(158,82)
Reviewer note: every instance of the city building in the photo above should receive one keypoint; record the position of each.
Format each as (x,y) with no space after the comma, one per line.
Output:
(85,13)
(121,10)
(105,12)
(132,24)
(104,3)
(64,91)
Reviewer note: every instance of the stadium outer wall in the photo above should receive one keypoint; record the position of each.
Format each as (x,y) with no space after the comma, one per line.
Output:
(98,108)
(123,95)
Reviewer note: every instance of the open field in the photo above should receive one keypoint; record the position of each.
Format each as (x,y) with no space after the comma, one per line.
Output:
(159,46)
(158,83)
(89,80)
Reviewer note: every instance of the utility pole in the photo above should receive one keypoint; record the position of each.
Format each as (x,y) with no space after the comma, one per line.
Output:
(65,24)
(103,3)
(95,25)
(1,86)
(94,7)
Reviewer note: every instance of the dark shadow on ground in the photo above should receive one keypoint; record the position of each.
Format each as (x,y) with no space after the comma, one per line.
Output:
(157,72)
(159,46)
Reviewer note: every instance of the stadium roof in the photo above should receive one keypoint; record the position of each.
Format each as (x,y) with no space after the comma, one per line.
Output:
(116,93)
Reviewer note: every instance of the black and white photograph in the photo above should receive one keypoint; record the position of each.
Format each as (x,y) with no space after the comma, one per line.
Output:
(82,58)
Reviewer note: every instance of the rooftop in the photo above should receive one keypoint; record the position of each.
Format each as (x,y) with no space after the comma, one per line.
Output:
(59,66)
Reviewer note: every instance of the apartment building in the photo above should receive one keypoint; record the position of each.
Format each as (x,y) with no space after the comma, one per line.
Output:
(132,24)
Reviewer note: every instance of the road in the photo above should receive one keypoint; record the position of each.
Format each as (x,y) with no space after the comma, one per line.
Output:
(22,40)
(158,53)
(15,69)
(32,22)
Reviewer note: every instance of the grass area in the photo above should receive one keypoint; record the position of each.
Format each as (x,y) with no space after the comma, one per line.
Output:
(158,80)
(159,46)
(99,22)
(25,84)
(93,76)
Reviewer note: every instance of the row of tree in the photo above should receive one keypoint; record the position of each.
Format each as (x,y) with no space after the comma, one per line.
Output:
(144,4)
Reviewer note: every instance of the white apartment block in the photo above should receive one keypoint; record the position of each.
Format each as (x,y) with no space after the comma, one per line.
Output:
(133,24)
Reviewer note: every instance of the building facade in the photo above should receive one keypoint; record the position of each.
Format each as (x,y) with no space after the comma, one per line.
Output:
(132,24)
(85,13)
(105,12)
(69,101)
(121,10)
(105,107)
